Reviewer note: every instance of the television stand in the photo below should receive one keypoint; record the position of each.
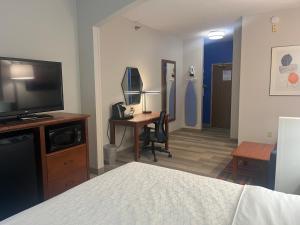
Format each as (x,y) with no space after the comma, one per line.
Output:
(60,170)
(25,117)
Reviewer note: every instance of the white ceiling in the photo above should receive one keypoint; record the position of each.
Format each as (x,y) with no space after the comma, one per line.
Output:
(190,17)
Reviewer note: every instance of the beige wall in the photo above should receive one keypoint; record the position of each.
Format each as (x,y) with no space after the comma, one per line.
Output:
(259,112)
(44,30)
(122,46)
(193,55)
(236,69)
(91,13)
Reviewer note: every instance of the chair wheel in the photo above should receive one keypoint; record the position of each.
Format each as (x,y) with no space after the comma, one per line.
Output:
(155,160)
(170,155)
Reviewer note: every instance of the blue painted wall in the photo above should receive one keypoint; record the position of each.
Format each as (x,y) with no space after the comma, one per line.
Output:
(219,51)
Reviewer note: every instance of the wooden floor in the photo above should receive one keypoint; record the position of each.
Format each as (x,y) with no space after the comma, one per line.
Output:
(205,152)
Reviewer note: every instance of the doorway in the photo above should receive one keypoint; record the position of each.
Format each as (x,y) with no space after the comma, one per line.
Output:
(216,53)
(221,95)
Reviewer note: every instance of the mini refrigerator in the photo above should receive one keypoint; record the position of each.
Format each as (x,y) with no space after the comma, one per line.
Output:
(20,186)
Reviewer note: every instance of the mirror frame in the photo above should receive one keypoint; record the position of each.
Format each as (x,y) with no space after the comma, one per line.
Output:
(164,88)
(141,86)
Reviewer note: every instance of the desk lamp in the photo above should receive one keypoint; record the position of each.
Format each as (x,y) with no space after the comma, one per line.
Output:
(145,93)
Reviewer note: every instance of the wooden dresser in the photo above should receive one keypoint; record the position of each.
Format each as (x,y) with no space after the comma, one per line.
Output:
(63,169)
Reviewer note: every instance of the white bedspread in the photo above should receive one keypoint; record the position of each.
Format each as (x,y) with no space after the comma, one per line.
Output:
(264,207)
(139,194)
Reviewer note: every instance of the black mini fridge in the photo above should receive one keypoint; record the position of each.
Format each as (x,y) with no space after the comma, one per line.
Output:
(19,174)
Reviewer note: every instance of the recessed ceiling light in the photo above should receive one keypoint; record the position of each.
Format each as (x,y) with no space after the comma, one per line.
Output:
(216,35)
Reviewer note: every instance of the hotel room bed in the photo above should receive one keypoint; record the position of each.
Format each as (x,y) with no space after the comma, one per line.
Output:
(138,193)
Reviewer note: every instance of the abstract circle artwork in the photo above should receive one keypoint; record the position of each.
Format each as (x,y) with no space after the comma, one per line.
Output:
(293,78)
(286,60)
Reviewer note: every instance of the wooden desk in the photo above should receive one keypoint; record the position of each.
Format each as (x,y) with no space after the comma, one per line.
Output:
(250,151)
(138,122)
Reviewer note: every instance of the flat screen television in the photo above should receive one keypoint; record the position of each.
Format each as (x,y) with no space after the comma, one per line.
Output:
(29,86)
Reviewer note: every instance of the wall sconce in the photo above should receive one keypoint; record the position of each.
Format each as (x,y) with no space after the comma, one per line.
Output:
(275,21)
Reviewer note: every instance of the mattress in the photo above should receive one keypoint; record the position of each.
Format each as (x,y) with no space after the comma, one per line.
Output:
(138,193)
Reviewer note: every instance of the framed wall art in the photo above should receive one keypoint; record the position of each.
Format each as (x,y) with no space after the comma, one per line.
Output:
(285,71)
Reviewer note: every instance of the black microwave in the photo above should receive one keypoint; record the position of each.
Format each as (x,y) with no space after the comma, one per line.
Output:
(58,138)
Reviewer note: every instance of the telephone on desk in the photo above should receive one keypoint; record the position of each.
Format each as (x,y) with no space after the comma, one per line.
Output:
(118,112)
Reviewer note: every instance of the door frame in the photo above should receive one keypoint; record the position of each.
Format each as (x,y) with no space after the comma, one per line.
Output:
(211,89)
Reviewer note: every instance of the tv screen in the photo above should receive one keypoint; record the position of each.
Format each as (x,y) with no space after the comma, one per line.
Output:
(29,86)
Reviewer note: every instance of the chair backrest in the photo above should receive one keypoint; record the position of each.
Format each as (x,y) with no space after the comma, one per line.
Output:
(160,128)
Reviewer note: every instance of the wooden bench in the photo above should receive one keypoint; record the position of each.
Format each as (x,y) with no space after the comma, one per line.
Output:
(250,151)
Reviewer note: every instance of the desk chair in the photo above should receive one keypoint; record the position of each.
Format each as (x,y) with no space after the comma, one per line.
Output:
(155,135)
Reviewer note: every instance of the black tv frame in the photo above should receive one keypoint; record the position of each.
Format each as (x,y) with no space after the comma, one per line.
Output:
(24,113)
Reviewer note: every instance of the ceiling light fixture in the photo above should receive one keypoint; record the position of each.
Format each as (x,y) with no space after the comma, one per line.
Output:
(216,35)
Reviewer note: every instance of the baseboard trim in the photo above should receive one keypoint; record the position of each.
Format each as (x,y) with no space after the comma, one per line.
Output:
(103,170)
(97,171)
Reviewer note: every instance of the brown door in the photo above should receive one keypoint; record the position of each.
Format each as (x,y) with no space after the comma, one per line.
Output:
(221,95)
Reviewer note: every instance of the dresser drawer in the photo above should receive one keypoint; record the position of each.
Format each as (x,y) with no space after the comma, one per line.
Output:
(58,186)
(62,164)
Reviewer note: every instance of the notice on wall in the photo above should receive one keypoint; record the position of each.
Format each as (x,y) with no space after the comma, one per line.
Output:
(227,75)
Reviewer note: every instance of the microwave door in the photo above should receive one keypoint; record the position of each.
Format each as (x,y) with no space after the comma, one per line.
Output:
(63,138)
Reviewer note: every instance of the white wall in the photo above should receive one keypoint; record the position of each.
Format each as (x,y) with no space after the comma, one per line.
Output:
(44,30)
(259,112)
(193,55)
(122,46)
(90,13)
(236,69)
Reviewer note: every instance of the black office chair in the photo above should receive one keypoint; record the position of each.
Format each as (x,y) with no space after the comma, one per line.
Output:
(155,135)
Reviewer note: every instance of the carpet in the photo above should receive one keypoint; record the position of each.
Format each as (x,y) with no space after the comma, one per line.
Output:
(247,174)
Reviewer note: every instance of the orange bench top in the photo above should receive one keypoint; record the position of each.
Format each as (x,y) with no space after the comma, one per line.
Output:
(253,150)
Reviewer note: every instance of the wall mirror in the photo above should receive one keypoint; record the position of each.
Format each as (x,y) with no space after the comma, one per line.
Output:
(168,92)
(132,86)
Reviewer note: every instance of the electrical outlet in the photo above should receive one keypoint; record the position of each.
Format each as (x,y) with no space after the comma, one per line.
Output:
(269,134)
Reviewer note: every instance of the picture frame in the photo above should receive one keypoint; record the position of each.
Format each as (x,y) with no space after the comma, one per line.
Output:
(285,70)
